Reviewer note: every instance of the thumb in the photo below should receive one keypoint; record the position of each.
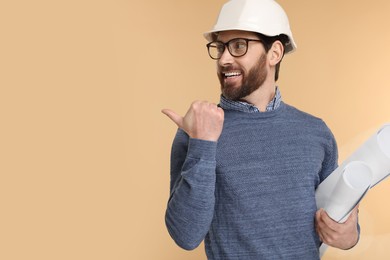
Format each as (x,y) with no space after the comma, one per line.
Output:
(177,119)
(354,214)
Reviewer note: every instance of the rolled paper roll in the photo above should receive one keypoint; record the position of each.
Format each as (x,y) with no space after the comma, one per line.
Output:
(338,191)
(349,190)
(375,152)
(384,146)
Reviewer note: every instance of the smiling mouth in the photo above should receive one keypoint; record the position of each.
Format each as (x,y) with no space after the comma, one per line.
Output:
(231,74)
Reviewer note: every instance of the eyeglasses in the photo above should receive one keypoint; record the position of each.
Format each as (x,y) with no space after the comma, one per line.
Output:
(237,47)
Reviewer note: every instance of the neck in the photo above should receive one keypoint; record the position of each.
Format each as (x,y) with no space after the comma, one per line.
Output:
(262,96)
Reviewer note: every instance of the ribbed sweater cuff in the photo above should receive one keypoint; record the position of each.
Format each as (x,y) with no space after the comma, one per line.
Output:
(202,149)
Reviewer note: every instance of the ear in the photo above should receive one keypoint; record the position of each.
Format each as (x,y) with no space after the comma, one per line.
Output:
(275,53)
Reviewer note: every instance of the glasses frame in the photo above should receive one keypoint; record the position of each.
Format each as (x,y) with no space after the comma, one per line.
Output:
(226,44)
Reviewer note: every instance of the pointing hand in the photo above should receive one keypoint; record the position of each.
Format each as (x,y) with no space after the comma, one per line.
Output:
(203,120)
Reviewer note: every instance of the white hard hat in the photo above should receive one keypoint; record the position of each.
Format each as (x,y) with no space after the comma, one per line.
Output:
(262,16)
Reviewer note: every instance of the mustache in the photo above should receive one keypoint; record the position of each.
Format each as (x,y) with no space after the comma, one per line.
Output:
(229,68)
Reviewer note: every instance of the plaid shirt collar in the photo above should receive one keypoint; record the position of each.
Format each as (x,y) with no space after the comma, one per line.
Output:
(249,108)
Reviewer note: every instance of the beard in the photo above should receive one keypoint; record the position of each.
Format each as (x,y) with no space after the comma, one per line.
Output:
(250,82)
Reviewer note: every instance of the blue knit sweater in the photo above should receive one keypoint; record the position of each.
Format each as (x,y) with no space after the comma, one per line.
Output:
(251,194)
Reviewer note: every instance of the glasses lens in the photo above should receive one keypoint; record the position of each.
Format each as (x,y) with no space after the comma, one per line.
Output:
(238,47)
(215,49)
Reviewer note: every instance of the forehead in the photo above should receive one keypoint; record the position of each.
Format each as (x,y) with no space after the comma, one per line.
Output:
(228,35)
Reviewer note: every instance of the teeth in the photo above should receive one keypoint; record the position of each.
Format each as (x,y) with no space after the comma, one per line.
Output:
(232,74)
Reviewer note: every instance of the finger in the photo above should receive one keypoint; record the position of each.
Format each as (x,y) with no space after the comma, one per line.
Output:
(177,119)
(320,224)
(222,113)
(318,216)
(320,236)
(320,232)
(328,221)
(217,108)
(354,215)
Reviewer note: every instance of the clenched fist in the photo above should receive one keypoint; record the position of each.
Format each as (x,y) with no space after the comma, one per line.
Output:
(203,120)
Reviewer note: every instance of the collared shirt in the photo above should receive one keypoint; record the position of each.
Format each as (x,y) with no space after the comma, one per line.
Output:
(249,108)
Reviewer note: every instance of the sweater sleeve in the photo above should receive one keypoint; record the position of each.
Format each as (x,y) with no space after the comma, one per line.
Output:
(190,207)
(330,162)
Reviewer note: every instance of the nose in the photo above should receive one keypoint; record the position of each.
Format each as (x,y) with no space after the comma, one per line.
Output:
(226,58)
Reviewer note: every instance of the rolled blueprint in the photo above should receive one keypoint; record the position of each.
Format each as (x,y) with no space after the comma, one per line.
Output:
(349,190)
(355,181)
(346,186)
(375,153)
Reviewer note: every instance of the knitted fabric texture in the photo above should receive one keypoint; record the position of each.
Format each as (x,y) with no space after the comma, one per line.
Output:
(251,195)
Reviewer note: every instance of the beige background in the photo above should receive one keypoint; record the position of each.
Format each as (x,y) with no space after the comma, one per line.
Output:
(84,149)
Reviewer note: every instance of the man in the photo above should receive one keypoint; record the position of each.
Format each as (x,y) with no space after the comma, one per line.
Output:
(244,173)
